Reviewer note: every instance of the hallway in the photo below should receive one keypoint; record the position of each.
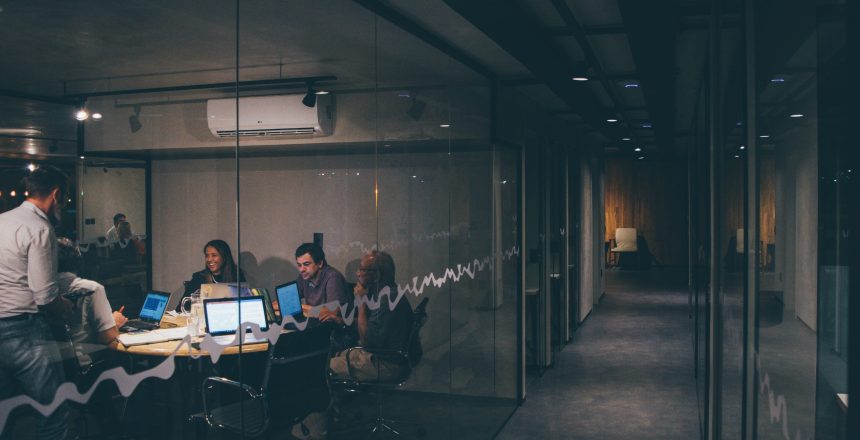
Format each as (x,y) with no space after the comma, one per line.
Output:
(628,374)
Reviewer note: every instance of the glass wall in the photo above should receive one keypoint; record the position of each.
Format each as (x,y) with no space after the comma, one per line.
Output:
(236,135)
(779,364)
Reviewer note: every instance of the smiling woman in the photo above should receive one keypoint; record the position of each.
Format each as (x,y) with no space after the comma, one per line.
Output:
(220,267)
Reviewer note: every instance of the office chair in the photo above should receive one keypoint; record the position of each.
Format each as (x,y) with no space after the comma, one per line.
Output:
(625,242)
(407,357)
(294,385)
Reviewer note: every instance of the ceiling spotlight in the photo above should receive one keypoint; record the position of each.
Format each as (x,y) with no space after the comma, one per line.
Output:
(764,136)
(579,78)
(796,115)
(625,139)
(82,157)
(631,85)
(444,125)
(743,147)
(134,120)
(637,149)
(31,167)
(310,98)
(611,120)
(737,156)
(778,79)
(13,193)
(646,125)
(82,115)
(322,92)
(641,157)
(97,116)
(27,193)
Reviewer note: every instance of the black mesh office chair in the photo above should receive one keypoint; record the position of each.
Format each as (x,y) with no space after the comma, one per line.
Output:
(407,357)
(295,384)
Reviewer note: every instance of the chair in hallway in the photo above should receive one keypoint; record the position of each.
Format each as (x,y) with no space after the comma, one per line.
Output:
(625,244)
(407,357)
(294,385)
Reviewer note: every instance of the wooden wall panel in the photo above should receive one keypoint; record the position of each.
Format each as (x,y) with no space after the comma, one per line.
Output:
(651,196)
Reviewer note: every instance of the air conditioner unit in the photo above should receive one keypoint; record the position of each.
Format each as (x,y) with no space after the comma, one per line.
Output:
(274,115)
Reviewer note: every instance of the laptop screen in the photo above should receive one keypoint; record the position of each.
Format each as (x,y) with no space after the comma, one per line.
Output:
(154,306)
(222,315)
(288,299)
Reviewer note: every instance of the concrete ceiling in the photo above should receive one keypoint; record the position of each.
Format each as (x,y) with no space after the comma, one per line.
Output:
(54,50)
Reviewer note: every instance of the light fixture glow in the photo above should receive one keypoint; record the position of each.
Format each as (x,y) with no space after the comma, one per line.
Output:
(777,79)
(97,116)
(82,158)
(764,136)
(13,193)
(637,149)
(82,115)
(641,157)
(31,167)
(580,78)
(737,156)
(625,139)
(631,85)
(27,193)
(444,125)
(796,115)
(322,92)
(611,120)
(646,125)
(743,147)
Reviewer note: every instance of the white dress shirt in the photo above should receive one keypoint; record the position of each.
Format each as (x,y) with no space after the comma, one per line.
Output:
(28,261)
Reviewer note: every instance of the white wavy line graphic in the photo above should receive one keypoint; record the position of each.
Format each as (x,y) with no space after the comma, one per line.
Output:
(127,383)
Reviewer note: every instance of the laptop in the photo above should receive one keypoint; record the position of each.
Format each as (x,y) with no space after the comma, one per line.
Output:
(151,313)
(289,303)
(223,290)
(222,317)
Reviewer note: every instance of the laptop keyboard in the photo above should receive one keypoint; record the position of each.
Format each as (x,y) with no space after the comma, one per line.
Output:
(140,325)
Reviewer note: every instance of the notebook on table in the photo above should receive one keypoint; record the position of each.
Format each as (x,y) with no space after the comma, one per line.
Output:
(223,316)
(151,313)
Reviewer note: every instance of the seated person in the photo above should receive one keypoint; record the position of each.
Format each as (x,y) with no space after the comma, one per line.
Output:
(220,268)
(379,327)
(94,323)
(319,283)
(126,249)
(112,234)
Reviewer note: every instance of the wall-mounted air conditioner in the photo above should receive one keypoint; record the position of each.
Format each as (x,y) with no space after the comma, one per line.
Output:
(274,115)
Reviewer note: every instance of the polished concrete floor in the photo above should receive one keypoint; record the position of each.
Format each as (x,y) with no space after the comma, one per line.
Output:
(627,374)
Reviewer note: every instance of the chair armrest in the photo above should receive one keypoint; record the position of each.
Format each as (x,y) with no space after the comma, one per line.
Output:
(211,382)
(401,356)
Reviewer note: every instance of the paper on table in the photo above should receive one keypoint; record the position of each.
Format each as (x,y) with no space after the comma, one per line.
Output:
(151,337)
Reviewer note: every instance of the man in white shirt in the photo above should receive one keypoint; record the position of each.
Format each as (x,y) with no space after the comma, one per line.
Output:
(29,294)
(112,234)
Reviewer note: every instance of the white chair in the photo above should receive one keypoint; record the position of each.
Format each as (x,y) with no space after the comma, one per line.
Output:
(625,240)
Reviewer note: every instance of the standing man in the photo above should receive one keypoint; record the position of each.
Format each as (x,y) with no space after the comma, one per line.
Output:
(29,294)
(318,282)
(112,234)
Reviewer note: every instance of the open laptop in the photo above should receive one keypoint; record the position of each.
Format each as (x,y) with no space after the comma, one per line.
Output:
(151,313)
(289,303)
(223,317)
(223,290)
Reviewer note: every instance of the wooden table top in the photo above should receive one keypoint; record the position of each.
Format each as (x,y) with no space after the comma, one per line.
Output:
(168,348)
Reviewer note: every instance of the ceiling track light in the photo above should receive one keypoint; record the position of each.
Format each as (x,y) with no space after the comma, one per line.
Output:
(310,99)
(82,114)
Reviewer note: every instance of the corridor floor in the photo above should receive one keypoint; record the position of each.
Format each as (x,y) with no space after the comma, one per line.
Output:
(627,374)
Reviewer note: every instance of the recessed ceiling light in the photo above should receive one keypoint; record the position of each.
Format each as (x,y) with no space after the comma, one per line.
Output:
(612,120)
(637,149)
(580,78)
(796,115)
(82,115)
(778,79)
(625,139)
(641,157)
(444,125)
(743,147)
(31,167)
(319,92)
(82,158)
(764,136)
(97,116)
(631,85)
(646,125)
(737,156)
